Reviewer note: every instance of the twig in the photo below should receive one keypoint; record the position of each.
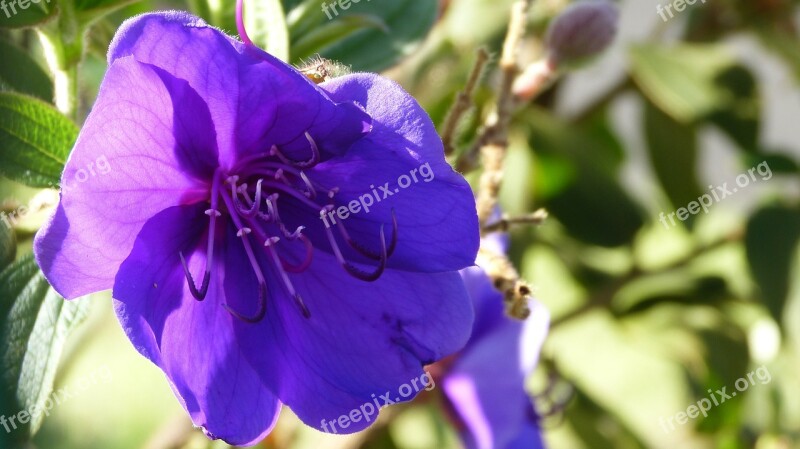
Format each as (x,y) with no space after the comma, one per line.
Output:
(505,222)
(493,141)
(604,297)
(463,102)
(506,279)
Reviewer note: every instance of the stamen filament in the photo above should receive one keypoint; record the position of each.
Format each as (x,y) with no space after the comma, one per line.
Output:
(213,213)
(353,270)
(285,277)
(312,161)
(262,283)
(363,250)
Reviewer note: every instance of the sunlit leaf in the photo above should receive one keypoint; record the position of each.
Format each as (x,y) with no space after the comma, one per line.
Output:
(266,25)
(34,324)
(21,73)
(334,31)
(374,49)
(35,140)
(681,80)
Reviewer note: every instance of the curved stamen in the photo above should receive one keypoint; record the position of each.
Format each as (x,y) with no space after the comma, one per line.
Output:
(365,251)
(278,172)
(354,271)
(314,160)
(240,23)
(198,294)
(243,232)
(254,206)
(213,213)
(279,176)
(311,193)
(293,192)
(303,266)
(297,235)
(251,203)
(262,307)
(272,207)
(285,277)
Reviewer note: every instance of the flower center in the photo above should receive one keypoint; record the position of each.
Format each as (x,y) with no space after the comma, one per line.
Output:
(251,197)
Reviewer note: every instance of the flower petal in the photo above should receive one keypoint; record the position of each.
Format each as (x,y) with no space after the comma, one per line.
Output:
(255,100)
(362,340)
(486,385)
(151,136)
(193,342)
(436,209)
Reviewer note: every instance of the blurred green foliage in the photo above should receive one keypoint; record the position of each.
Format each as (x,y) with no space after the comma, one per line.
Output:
(647,316)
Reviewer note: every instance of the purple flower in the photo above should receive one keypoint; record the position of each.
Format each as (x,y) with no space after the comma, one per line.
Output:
(208,229)
(484,385)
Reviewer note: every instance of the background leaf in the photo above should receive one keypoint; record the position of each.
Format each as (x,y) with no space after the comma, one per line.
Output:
(8,244)
(681,80)
(34,14)
(740,120)
(372,49)
(21,73)
(577,176)
(337,29)
(35,140)
(771,240)
(34,324)
(266,25)
(673,154)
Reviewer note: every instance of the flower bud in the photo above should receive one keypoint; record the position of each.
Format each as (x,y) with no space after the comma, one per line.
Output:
(582,31)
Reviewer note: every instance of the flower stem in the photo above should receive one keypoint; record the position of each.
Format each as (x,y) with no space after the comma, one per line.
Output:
(62,41)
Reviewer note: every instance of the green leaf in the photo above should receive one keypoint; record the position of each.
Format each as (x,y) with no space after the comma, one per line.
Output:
(778,162)
(336,30)
(771,239)
(673,154)
(35,140)
(740,119)
(302,17)
(371,49)
(33,14)
(581,176)
(672,288)
(21,73)
(598,426)
(681,79)
(34,324)
(266,25)
(89,11)
(8,243)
